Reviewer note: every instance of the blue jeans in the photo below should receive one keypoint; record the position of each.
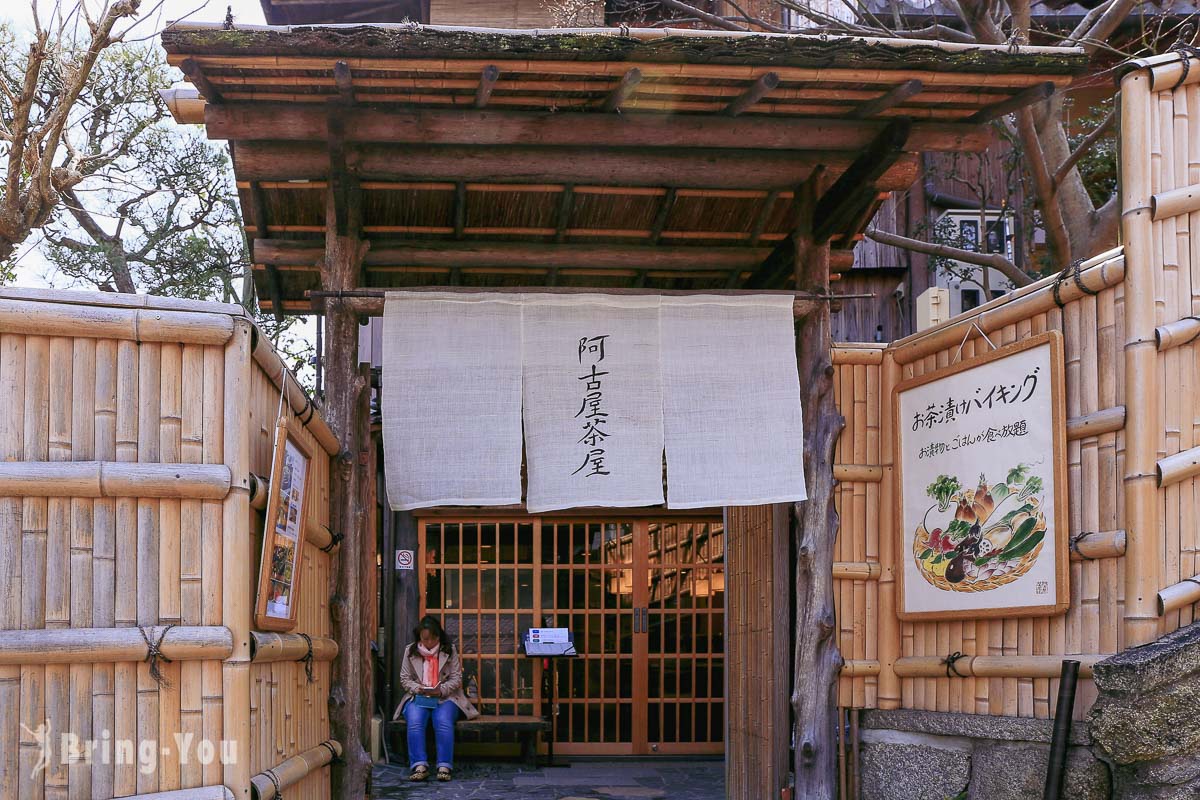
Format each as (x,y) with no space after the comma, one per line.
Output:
(444,717)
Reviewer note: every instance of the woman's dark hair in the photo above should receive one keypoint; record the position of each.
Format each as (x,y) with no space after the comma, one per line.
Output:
(430,623)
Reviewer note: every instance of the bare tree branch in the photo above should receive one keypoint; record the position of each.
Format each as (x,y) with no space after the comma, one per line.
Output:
(1089,141)
(993,260)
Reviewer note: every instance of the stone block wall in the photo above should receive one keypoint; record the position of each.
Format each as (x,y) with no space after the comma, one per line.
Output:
(923,755)
(1146,722)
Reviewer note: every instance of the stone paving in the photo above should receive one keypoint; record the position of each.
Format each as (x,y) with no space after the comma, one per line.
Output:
(583,780)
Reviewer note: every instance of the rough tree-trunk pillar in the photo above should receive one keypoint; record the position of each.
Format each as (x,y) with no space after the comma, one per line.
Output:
(817,657)
(347,398)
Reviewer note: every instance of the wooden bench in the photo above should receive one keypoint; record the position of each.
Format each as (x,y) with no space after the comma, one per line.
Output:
(527,728)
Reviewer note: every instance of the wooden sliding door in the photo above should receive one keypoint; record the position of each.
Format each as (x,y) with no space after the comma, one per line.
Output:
(644,599)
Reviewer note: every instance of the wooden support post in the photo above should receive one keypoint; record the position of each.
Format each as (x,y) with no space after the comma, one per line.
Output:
(766,83)
(890,99)
(487,82)
(191,70)
(814,698)
(346,399)
(345,82)
(623,91)
(258,206)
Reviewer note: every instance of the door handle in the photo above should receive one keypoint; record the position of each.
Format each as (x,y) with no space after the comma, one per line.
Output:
(637,620)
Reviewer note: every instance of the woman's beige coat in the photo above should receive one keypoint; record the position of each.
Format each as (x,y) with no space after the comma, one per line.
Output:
(450,675)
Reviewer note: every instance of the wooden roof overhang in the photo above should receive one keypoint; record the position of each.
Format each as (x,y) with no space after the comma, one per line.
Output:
(607,158)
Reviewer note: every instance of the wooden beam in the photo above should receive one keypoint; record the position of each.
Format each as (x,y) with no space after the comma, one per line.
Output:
(460,208)
(345,82)
(1034,94)
(195,75)
(663,215)
(654,167)
(890,99)
(448,254)
(843,203)
(766,83)
(487,82)
(623,91)
(258,207)
(292,122)
(566,206)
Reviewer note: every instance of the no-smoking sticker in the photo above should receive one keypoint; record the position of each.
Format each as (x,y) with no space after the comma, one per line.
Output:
(404,559)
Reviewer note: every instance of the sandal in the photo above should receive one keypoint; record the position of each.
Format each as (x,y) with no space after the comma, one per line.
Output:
(443,774)
(419,773)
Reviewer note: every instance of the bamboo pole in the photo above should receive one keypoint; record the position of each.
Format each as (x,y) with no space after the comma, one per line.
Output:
(294,770)
(994,666)
(1142,568)
(314,532)
(1098,545)
(71,645)
(12,398)
(203,793)
(1098,273)
(1178,595)
(266,357)
(843,354)
(1179,332)
(856,570)
(1174,202)
(859,668)
(236,584)
(889,644)
(104,551)
(1178,467)
(858,473)
(83,446)
(269,647)
(75,297)
(56,319)
(126,567)
(82,479)
(1179,70)
(1106,420)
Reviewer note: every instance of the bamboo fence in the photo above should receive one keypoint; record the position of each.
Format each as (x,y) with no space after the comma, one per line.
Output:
(1132,342)
(126,446)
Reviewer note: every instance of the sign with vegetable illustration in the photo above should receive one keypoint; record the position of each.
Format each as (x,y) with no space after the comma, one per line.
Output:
(981,468)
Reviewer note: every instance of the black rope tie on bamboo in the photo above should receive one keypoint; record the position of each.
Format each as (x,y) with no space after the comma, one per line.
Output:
(334,758)
(154,654)
(1074,270)
(1186,50)
(334,540)
(950,661)
(307,658)
(274,782)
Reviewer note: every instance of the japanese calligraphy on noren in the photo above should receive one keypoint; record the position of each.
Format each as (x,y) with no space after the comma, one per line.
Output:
(981,452)
(592,411)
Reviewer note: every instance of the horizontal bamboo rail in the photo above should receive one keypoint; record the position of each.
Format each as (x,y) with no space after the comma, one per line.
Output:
(150,302)
(1183,200)
(94,322)
(1098,273)
(1179,467)
(268,647)
(1106,420)
(1178,595)
(858,473)
(994,666)
(110,645)
(1169,70)
(204,793)
(857,355)
(1179,332)
(856,570)
(1092,546)
(292,771)
(113,479)
(314,532)
(859,668)
(308,415)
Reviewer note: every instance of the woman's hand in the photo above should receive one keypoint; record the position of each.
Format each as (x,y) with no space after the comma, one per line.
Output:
(429,691)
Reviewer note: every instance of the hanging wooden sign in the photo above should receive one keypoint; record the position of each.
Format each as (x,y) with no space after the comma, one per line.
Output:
(283,534)
(981,473)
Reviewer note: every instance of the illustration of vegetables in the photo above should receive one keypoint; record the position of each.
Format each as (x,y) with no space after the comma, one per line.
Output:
(981,548)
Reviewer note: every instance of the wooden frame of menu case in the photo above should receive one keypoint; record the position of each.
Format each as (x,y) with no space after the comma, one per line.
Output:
(284,439)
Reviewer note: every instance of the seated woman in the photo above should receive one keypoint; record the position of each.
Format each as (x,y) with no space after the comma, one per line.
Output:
(431,675)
